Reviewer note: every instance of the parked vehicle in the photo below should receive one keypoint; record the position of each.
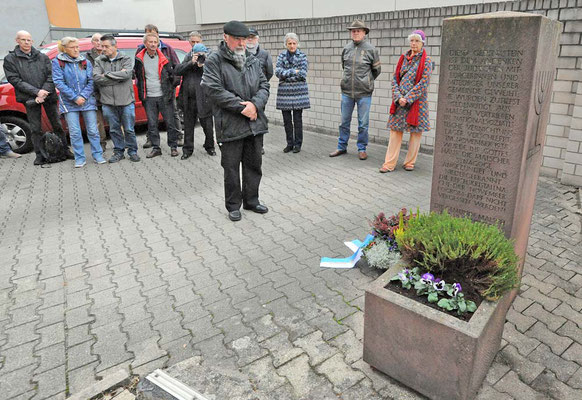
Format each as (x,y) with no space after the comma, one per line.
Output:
(13,114)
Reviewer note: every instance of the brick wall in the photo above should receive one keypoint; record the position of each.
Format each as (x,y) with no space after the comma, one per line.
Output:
(322,39)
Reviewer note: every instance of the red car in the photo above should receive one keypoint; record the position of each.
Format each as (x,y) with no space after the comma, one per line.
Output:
(13,114)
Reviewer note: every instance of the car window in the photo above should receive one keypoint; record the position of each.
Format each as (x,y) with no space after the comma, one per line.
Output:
(180,53)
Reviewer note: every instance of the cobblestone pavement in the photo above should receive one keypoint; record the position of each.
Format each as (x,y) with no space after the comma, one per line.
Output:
(136,266)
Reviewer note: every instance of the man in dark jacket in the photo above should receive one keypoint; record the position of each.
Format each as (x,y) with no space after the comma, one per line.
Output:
(169,52)
(193,100)
(156,88)
(30,72)
(236,86)
(95,52)
(263,55)
(361,65)
(112,72)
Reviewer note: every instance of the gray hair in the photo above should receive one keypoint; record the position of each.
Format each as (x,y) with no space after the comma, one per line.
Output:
(96,36)
(195,33)
(65,41)
(109,38)
(293,36)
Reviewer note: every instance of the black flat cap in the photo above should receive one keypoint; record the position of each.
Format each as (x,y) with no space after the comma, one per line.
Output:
(253,32)
(236,28)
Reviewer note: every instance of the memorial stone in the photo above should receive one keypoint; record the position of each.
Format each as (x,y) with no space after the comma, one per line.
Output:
(495,87)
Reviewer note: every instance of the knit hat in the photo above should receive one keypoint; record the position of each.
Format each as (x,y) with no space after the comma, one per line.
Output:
(236,28)
(420,34)
(359,24)
(199,48)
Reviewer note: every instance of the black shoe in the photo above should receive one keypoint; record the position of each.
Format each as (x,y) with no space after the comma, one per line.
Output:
(296,149)
(154,153)
(148,144)
(211,152)
(116,157)
(69,154)
(134,157)
(259,209)
(39,160)
(287,149)
(186,156)
(234,215)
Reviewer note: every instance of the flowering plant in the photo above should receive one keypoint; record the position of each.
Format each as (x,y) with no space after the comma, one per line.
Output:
(451,296)
(385,228)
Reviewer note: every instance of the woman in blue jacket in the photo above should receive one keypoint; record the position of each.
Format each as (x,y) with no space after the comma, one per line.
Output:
(292,94)
(73,77)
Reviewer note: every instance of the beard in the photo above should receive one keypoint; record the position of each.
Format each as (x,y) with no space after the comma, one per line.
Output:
(239,51)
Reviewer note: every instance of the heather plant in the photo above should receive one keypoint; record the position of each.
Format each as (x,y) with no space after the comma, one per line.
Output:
(439,242)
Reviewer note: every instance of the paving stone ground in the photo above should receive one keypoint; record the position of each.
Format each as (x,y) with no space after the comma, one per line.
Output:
(136,266)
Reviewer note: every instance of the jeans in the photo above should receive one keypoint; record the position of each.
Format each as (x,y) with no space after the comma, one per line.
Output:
(154,106)
(248,152)
(4,146)
(293,127)
(33,114)
(348,104)
(190,116)
(118,116)
(90,118)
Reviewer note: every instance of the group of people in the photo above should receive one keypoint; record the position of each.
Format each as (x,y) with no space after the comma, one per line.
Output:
(227,89)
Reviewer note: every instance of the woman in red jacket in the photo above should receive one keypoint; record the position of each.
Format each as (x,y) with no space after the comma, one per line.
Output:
(409,109)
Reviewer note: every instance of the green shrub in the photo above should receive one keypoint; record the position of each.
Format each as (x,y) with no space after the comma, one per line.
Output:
(440,242)
(379,255)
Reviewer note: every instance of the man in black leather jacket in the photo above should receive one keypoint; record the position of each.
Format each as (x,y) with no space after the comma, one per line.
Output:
(236,86)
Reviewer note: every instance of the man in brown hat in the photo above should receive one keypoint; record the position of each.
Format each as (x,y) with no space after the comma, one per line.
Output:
(361,65)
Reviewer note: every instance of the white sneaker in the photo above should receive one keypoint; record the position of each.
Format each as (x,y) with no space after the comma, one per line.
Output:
(10,154)
(80,165)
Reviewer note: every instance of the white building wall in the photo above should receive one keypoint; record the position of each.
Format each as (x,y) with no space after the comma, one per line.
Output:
(128,14)
(16,15)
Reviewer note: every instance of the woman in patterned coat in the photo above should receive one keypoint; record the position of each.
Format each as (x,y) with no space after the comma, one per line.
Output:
(409,109)
(292,95)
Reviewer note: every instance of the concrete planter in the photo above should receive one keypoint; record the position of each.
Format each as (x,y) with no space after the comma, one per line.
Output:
(432,352)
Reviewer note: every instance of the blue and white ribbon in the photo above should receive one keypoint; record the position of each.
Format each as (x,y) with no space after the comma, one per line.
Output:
(356,246)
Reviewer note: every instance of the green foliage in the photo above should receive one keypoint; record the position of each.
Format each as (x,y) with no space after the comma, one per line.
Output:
(440,242)
(379,254)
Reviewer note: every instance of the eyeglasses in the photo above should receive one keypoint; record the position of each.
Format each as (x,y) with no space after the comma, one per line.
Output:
(73,47)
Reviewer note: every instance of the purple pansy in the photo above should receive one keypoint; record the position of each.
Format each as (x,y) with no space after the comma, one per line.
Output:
(457,288)
(427,278)
(403,277)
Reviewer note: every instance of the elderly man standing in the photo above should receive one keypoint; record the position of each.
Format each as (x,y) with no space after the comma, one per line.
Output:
(157,91)
(194,38)
(262,54)
(30,72)
(95,52)
(361,65)
(193,100)
(234,82)
(112,72)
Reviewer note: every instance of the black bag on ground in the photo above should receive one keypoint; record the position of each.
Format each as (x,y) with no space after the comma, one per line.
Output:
(52,148)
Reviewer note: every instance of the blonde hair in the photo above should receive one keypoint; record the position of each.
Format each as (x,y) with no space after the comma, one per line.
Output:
(150,34)
(65,41)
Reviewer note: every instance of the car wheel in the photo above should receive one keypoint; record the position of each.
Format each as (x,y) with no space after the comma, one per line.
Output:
(19,136)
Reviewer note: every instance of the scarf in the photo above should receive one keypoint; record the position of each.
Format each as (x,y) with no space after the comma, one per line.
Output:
(413,113)
(239,60)
(290,56)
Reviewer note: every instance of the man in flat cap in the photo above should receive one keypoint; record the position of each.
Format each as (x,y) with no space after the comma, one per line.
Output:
(235,84)
(361,65)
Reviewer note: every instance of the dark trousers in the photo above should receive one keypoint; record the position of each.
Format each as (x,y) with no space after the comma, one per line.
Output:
(190,117)
(153,107)
(293,127)
(34,114)
(248,152)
